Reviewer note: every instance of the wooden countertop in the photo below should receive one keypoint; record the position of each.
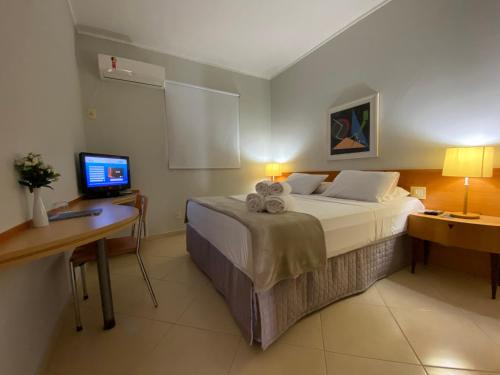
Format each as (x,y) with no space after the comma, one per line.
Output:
(492,221)
(475,234)
(33,243)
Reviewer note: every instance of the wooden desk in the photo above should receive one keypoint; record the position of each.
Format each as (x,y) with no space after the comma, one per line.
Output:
(24,243)
(481,235)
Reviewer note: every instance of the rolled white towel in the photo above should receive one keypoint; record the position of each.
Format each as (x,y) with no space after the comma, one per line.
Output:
(255,202)
(280,188)
(276,204)
(262,187)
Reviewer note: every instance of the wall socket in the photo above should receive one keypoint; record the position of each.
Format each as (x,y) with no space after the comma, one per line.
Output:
(419,192)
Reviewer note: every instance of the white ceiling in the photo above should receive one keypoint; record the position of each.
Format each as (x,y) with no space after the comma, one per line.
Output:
(257,37)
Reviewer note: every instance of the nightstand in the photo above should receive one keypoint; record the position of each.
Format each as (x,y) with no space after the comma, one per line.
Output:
(475,234)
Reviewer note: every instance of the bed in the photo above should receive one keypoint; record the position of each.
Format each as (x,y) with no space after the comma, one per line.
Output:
(365,241)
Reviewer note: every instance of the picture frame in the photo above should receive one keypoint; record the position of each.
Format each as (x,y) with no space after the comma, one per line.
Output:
(352,129)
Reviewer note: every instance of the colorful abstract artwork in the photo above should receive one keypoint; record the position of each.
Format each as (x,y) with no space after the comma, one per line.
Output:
(353,129)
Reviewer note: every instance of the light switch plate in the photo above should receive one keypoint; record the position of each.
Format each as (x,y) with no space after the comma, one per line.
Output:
(419,192)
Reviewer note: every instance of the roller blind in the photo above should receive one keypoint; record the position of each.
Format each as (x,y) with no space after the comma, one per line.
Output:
(202,127)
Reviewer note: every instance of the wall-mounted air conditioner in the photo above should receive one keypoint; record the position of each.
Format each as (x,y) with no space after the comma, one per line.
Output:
(121,69)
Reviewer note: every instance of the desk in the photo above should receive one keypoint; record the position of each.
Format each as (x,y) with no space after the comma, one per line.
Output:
(25,244)
(481,235)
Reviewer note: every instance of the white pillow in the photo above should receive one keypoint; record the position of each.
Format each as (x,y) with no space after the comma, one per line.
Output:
(363,185)
(398,192)
(322,188)
(302,183)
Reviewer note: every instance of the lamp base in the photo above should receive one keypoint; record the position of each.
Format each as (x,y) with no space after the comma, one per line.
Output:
(461,215)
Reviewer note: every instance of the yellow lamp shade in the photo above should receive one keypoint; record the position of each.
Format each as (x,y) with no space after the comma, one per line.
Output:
(273,170)
(468,162)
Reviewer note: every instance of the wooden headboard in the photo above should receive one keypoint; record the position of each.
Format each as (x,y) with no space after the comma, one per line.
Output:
(447,193)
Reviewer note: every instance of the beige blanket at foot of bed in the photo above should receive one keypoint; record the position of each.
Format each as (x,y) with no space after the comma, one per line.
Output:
(284,246)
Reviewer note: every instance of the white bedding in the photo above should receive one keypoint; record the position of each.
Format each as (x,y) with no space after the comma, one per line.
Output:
(348,225)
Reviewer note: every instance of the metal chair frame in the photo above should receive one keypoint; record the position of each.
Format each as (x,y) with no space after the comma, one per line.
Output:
(141,204)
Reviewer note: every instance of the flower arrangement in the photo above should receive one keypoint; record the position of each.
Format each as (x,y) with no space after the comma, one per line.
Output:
(34,173)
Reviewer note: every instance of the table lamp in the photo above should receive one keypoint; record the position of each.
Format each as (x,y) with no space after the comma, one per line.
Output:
(468,162)
(273,170)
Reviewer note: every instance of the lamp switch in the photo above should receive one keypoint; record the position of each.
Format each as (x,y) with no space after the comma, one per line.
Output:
(419,192)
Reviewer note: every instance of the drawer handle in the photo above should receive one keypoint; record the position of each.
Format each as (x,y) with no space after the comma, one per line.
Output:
(451,226)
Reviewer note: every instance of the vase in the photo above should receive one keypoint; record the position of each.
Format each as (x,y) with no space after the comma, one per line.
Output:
(40,218)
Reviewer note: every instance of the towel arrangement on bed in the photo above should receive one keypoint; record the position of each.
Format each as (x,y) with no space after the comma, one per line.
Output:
(271,197)
(283,246)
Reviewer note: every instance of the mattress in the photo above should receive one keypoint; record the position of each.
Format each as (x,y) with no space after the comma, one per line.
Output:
(348,225)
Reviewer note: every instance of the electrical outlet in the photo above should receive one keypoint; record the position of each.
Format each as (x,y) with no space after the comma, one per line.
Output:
(92,113)
(419,192)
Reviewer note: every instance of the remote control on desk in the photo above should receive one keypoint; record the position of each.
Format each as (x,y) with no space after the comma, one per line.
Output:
(74,214)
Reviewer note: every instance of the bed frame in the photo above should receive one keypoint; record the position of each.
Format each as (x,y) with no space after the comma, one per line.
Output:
(263,317)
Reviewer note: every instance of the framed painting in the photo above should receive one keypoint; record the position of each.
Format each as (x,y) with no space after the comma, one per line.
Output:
(353,129)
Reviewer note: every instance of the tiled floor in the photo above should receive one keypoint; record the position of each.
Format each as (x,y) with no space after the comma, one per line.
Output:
(436,322)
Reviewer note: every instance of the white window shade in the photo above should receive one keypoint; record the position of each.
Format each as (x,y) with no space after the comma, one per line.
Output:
(202,127)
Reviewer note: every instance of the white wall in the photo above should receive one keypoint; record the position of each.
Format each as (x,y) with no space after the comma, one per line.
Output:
(131,121)
(436,65)
(41,111)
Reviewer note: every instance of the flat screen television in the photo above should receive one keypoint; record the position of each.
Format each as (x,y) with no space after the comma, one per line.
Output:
(104,175)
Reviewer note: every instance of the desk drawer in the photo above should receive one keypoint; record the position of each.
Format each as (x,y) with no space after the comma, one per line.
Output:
(456,234)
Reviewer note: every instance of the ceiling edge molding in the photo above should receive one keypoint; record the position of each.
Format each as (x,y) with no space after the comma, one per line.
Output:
(229,69)
(349,25)
(165,52)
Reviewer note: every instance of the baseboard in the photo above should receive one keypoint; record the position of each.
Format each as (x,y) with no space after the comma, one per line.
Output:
(43,366)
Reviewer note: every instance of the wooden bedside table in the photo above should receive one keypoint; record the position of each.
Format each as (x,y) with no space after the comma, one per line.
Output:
(480,234)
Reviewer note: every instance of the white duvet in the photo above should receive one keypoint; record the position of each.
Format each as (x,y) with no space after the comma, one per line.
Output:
(348,224)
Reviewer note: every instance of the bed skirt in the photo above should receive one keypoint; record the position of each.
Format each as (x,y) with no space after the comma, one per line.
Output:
(263,317)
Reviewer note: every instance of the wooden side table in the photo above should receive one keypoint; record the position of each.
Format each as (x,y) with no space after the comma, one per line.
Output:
(480,234)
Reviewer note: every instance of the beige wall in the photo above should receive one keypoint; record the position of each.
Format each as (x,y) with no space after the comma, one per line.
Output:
(131,121)
(434,62)
(40,106)
(436,66)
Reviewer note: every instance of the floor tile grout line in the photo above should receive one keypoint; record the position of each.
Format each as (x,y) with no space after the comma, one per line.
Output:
(238,347)
(461,312)
(241,342)
(401,329)
(177,323)
(207,329)
(374,358)
(302,346)
(466,369)
(155,346)
(307,347)
(323,339)
(479,327)
(163,337)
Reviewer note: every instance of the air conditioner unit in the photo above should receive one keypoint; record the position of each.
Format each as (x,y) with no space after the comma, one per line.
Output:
(121,69)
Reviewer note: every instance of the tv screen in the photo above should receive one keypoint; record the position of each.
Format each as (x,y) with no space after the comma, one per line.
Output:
(103,174)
